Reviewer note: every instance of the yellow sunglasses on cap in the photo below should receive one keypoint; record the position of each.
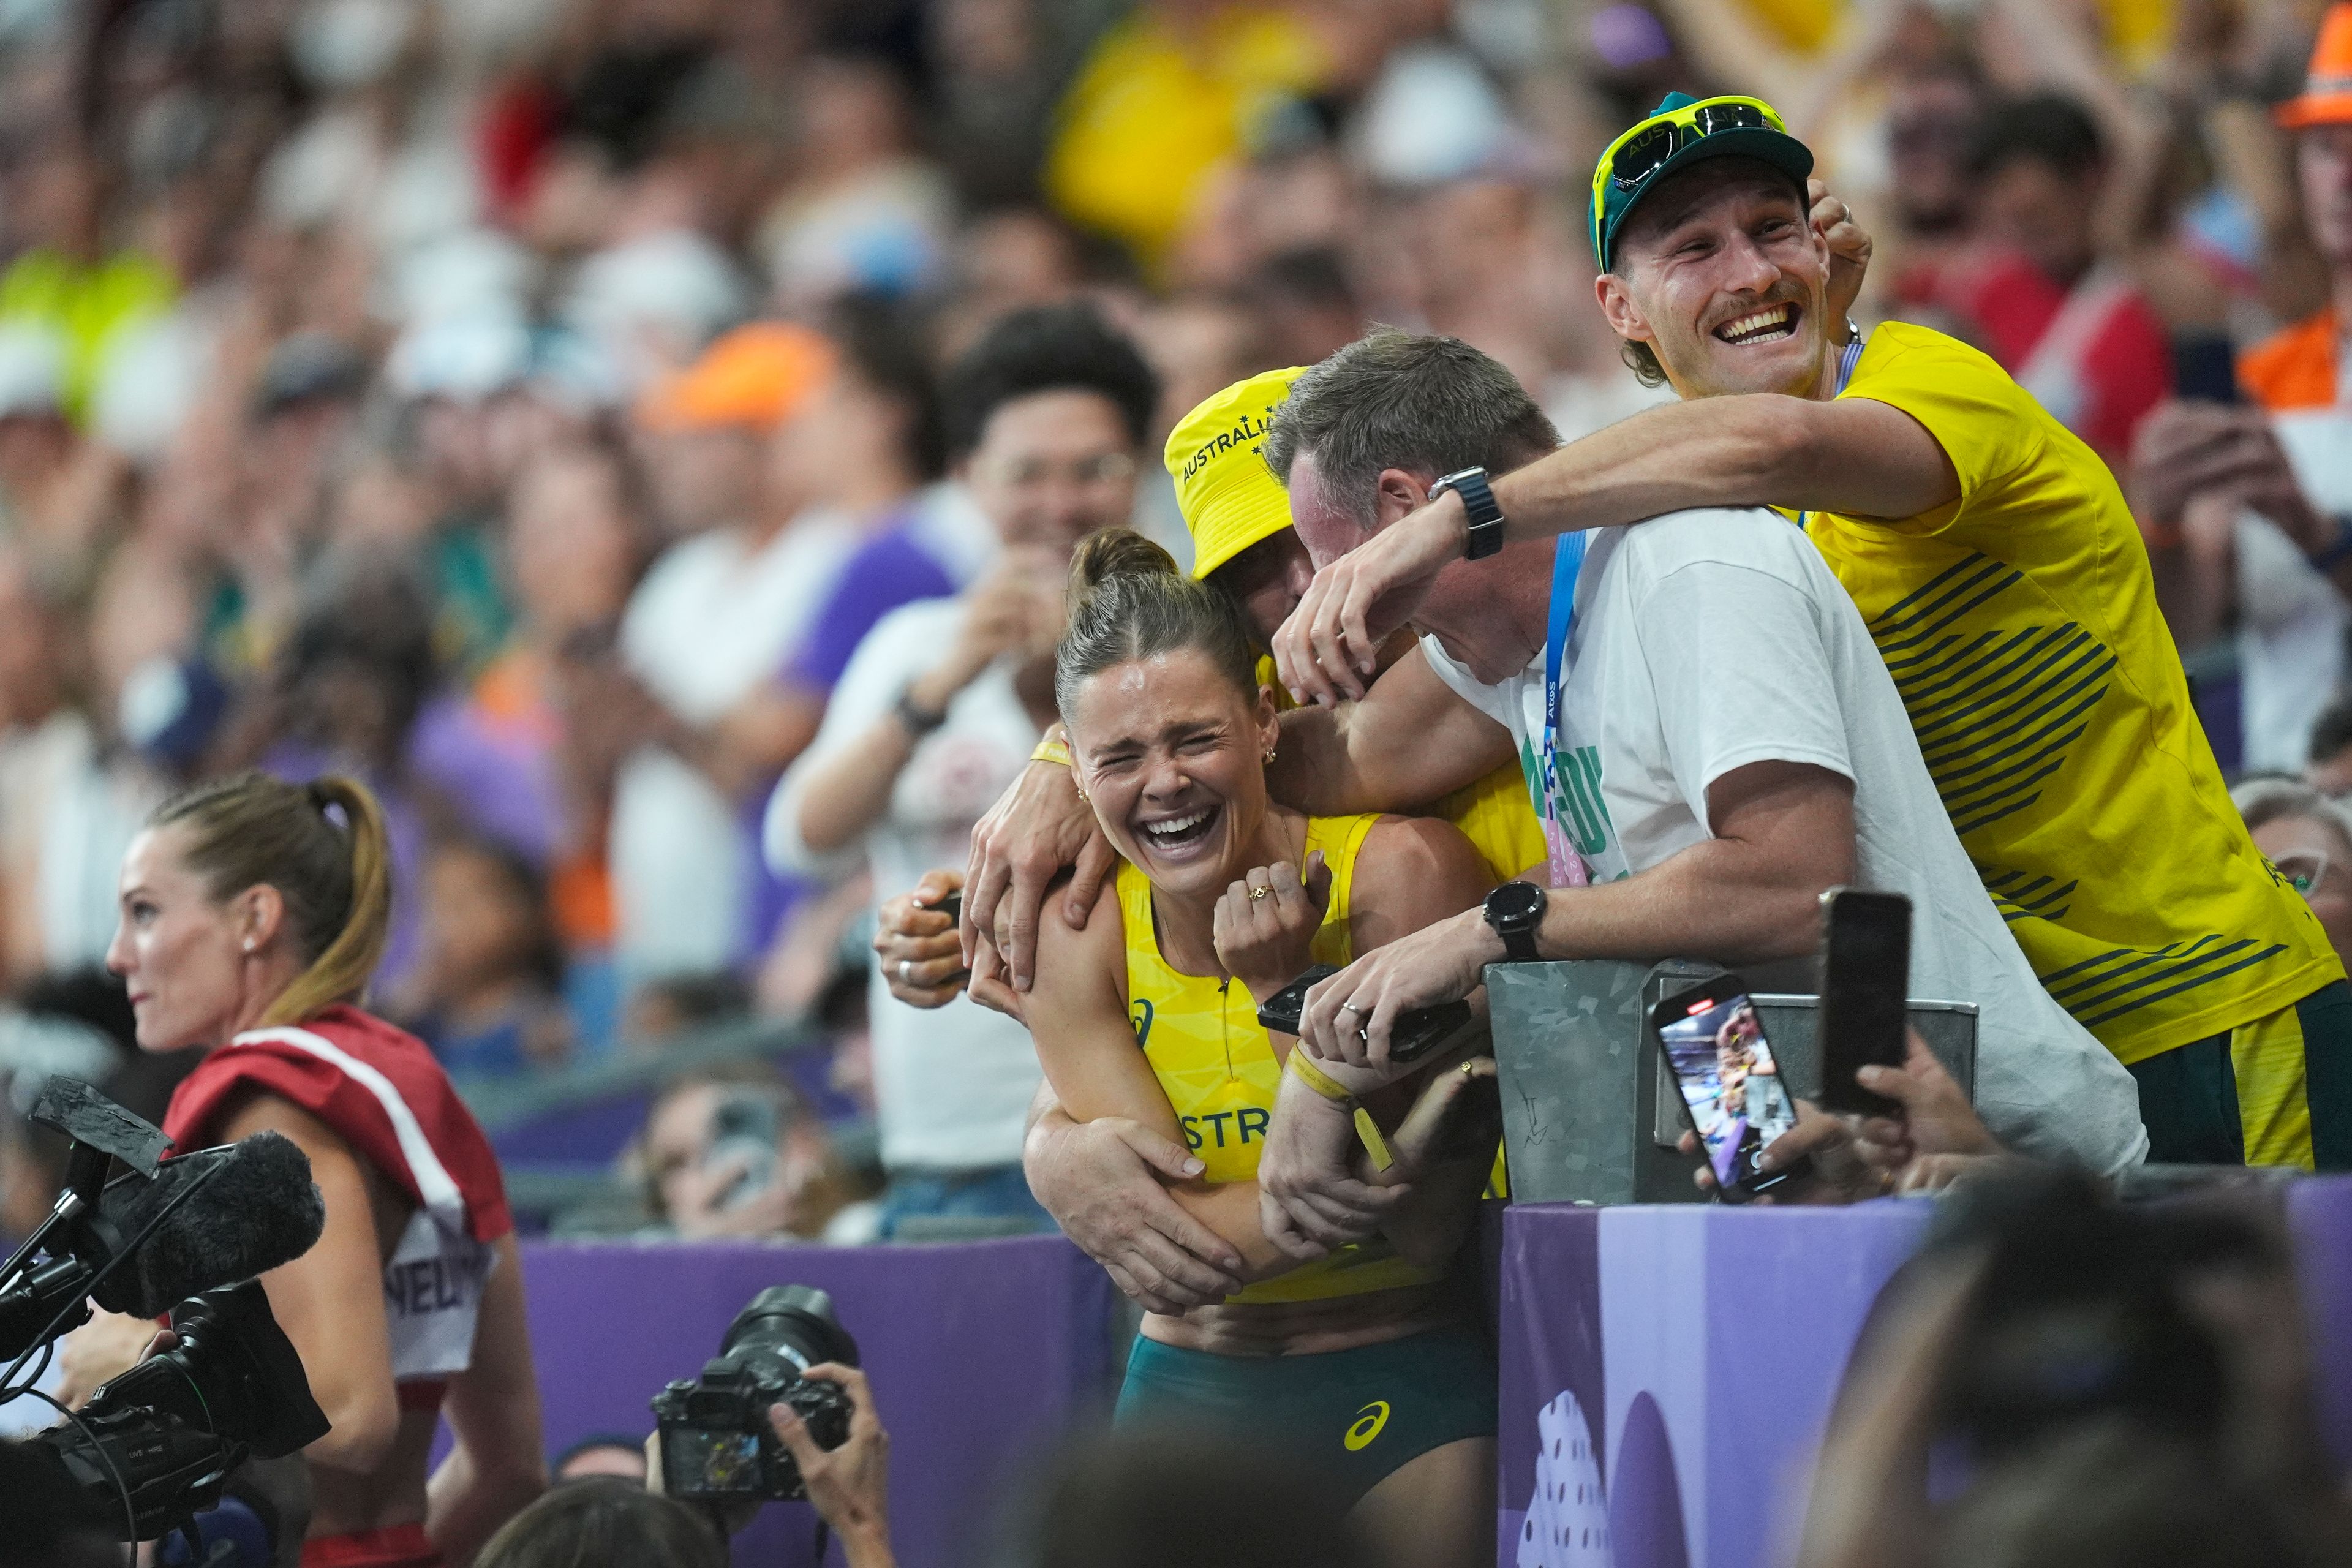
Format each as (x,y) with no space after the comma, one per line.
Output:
(1631,160)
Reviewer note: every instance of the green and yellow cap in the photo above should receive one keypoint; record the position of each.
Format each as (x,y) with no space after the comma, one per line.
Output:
(1679,132)
(1230,498)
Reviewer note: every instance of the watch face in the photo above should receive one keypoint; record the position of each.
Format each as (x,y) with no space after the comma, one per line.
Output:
(1515,904)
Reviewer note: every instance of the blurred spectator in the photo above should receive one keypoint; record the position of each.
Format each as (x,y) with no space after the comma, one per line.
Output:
(2063,317)
(2046,1335)
(734,1152)
(702,641)
(604,1521)
(664,1009)
(1164,96)
(66,811)
(522,757)
(2309,838)
(488,989)
(2254,501)
(1048,416)
(604,1454)
(69,278)
(2329,768)
(865,212)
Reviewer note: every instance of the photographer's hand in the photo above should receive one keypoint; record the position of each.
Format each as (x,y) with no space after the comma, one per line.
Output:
(849,1486)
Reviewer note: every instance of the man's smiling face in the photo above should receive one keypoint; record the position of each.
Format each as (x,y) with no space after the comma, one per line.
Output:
(1720,271)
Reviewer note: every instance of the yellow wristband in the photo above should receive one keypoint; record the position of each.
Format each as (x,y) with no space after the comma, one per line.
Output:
(1049,750)
(1303,1068)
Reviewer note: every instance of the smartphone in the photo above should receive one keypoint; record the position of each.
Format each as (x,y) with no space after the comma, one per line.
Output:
(743,1125)
(1733,1096)
(1415,1034)
(952,906)
(1865,987)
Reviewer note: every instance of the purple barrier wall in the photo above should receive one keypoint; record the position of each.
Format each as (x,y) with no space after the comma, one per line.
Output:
(977,1352)
(1666,1372)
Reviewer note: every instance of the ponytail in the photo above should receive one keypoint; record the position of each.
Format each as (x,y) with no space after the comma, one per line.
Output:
(336,883)
(1128,601)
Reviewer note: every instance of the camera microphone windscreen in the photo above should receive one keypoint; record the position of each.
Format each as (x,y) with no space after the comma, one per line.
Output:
(257,1210)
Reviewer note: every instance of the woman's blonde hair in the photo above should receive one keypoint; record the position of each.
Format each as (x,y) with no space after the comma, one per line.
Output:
(1128,601)
(336,881)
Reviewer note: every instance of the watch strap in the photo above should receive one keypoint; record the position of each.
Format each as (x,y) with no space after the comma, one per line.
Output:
(919,721)
(1485,535)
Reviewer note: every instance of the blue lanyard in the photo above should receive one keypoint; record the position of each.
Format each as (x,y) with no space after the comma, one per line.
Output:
(1566,562)
(1847,358)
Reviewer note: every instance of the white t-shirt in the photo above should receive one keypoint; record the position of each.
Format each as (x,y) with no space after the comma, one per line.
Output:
(2291,618)
(951,1086)
(712,620)
(1707,640)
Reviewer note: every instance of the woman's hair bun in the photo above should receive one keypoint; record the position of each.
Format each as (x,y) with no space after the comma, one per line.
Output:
(1116,553)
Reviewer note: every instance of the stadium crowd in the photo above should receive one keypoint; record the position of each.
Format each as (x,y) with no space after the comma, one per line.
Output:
(646,445)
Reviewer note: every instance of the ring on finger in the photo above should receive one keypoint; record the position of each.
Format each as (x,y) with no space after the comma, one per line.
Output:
(906,972)
(1350,1007)
(1257,893)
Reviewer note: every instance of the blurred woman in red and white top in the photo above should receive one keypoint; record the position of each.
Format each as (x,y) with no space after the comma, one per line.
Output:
(251,918)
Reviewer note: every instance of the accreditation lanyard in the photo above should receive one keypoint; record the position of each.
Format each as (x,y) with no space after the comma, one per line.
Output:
(1848,357)
(1567,562)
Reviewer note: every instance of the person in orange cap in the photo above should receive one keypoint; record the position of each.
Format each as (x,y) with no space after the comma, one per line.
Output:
(2304,366)
(690,695)
(2255,500)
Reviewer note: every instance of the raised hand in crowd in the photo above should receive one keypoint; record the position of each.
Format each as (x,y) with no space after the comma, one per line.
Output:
(1935,1141)
(1105,1183)
(914,942)
(1016,607)
(1265,925)
(2187,450)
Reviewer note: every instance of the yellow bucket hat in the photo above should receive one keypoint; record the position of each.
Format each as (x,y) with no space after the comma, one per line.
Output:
(1230,498)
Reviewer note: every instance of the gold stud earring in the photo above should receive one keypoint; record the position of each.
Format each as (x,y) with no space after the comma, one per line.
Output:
(1082,793)
(1269,756)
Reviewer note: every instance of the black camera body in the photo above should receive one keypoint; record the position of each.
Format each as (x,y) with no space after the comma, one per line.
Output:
(169,1431)
(716,1443)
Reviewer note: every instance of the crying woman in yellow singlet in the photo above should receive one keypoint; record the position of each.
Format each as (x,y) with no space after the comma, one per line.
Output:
(1371,1359)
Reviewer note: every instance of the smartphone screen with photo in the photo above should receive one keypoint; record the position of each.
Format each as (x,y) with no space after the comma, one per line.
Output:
(1732,1091)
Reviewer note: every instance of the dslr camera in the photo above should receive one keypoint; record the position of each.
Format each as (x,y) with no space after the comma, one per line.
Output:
(716,1443)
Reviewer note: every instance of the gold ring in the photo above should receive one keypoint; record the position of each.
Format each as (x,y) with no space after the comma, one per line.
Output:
(1257,893)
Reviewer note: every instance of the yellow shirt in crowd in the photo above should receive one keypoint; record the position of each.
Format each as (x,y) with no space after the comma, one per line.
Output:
(2020,625)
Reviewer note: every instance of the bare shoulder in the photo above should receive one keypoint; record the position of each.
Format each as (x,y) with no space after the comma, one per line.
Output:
(1067,953)
(1414,871)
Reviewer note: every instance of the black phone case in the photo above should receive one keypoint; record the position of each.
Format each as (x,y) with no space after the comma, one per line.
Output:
(1416,1033)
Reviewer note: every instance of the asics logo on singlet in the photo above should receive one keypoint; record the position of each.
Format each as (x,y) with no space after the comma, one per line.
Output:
(1248,1123)
(1368,1425)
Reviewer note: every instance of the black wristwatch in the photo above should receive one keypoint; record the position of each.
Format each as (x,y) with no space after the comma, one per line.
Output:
(1485,535)
(919,721)
(1515,909)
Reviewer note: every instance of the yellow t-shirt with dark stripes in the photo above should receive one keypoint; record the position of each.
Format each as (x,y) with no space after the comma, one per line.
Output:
(1216,1063)
(2020,625)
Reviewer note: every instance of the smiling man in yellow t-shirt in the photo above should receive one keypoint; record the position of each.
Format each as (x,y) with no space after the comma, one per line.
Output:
(2006,587)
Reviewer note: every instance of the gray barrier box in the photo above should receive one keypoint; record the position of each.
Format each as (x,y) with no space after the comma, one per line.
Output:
(1589,1113)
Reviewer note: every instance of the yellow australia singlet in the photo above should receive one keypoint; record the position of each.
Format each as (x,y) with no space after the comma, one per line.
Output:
(1217,1065)
(1494,813)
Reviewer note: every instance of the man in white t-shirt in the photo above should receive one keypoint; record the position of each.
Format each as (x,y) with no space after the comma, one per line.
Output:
(1729,745)
(940,709)
(704,636)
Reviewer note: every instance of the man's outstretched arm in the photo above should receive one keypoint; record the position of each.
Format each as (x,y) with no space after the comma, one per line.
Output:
(1851,455)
